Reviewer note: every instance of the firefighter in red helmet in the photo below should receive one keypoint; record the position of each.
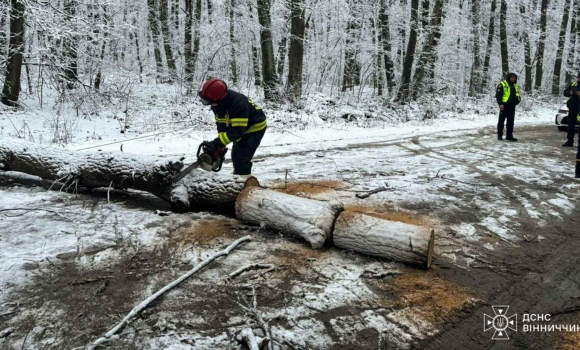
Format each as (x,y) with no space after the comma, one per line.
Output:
(239,121)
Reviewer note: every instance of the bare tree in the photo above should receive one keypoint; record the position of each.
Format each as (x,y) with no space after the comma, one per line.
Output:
(489,45)
(267,48)
(70,47)
(428,53)
(154,27)
(405,88)
(559,53)
(527,52)
(11,89)
(385,41)
(296,54)
(164,18)
(505,64)
(570,73)
(475,82)
(351,71)
(233,65)
(541,45)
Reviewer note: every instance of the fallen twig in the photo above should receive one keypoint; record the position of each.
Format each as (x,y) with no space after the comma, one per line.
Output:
(369,193)
(256,315)
(137,309)
(247,336)
(91,280)
(381,274)
(269,267)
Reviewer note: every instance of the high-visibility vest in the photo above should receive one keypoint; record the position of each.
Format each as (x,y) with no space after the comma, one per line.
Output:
(573,84)
(507,91)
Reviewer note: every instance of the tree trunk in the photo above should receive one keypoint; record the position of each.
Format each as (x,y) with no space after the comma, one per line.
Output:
(541,45)
(384,238)
(3,34)
(527,53)
(196,37)
(164,18)
(233,65)
(428,53)
(475,81)
(209,11)
(201,190)
(70,41)
(505,66)
(188,43)
(154,26)
(11,89)
(310,219)
(351,70)
(405,88)
(560,51)
(386,48)
(296,54)
(570,72)
(489,46)
(268,70)
(255,54)
(282,53)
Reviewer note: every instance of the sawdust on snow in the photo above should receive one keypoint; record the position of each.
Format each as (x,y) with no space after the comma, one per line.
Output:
(435,297)
(205,231)
(386,213)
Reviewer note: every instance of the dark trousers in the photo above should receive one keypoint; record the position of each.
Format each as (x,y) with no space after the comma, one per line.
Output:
(509,113)
(572,115)
(243,151)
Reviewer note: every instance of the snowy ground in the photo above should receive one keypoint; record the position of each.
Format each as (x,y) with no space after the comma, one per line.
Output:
(73,266)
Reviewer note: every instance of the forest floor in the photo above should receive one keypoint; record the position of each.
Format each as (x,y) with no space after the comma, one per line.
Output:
(505,215)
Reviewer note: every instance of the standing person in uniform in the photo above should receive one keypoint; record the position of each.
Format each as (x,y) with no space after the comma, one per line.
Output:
(238,120)
(573,105)
(508,97)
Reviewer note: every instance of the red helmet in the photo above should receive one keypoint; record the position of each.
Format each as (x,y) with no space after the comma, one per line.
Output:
(212,91)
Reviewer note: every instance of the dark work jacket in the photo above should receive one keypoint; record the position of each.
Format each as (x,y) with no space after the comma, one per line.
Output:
(236,115)
(574,100)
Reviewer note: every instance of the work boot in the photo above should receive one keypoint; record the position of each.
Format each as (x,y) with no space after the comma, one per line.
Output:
(513,139)
(500,137)
(568,144)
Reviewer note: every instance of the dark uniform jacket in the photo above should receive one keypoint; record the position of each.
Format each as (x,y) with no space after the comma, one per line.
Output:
(513,100)
(237,115)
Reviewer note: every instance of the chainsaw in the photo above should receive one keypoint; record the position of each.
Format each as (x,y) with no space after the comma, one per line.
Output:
(206,160)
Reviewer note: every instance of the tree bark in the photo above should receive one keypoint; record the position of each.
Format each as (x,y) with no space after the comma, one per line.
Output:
(527,54)
(11,89)
(164,19)
(296,54)
(233,64)
(476,80)
(196,37)
(310,219)
(188,43)
(386,46)
(3,33)
(351,65)
(70,42)
(405,88)
(505,66)
(428,53)
(154,26)
(255,54)
(570,73)
(541,45)
(396,241)
(489,46)
(560,51)
(270,80)
(201,190)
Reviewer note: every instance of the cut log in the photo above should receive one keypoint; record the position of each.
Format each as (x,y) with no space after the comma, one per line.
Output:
(200,190)
(393,240)
(310,219)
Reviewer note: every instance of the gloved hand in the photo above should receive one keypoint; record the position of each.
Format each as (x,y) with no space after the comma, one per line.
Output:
(212,146)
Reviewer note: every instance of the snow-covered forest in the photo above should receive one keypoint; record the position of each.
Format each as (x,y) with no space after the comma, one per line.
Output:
(355,49)
(383,209)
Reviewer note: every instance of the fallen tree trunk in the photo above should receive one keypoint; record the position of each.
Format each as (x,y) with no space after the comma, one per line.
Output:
(200,190)
(310,219)
(393,240)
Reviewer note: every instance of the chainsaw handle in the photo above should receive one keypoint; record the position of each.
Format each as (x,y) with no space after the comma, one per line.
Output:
(221,159)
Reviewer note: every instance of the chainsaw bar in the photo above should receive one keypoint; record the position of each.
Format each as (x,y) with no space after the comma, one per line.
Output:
(186,171)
